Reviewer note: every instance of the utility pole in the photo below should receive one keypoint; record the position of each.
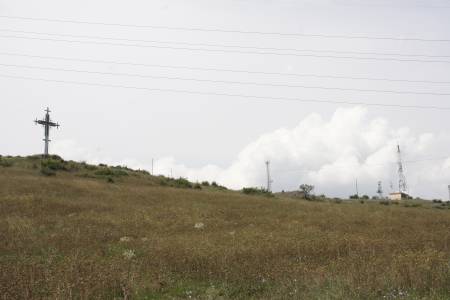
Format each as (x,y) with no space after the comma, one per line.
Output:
(47,123)
(357,189)
(449,193)
(269,180)
(152,166)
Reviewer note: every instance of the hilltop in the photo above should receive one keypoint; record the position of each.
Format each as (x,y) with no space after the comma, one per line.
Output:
(72,230)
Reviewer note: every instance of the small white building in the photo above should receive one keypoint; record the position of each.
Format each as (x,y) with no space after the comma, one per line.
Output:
(398,196)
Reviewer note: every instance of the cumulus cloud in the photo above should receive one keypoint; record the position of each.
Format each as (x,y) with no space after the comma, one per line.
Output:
(328,153)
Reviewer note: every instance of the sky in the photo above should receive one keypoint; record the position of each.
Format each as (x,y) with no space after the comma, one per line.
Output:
(155,88)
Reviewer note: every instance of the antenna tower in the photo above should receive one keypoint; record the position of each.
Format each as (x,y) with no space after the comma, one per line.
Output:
(47,123)
(380,190)
(402,186)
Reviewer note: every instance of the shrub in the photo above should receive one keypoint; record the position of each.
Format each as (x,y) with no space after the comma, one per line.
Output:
(385,202)
(218,186)
(110,180)
(110,172)
(47,171)
(437,201)
(412,205)
(365,197)
(257,191)
(54,164)
(182,183)
(205,183)
(354,197)
(197,186)
(143,172)
(5,162)
(88,167)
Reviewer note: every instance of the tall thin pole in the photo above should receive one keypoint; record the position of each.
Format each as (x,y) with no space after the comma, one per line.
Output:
(357,189)
(152,167)
(449,193)
(269,180)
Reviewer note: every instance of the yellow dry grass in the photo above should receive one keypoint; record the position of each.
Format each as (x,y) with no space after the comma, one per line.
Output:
(72,237)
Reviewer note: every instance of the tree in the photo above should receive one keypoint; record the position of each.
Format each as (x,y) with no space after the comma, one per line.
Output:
(306,189)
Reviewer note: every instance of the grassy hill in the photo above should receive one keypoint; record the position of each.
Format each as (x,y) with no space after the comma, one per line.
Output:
(75,231)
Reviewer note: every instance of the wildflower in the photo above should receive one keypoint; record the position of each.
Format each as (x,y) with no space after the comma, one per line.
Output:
(128,254)
(199,225)
(125,239)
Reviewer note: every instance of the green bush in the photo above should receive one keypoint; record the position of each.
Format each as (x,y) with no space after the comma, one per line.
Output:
(412,205)
(5,162)
(197,186)
(257,191)
(111,172)
(218,186)
(177,183)
(182,183)
(54,164)
(47,171)
(89,167)
(205,183)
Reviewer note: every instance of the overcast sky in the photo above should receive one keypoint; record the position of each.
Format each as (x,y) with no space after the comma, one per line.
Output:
(228,139)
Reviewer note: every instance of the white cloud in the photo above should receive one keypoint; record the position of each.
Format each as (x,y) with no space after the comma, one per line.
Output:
(330,154)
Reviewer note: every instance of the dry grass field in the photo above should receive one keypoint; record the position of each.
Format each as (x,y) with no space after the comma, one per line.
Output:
(74,231)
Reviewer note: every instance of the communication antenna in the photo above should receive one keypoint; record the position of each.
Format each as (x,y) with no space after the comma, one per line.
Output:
(380,190)
(47,123)
(269,180)
(402,186)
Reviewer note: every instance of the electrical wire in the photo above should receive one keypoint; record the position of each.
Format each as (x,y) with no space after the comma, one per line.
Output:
(200,29)
(364,164)
(226,81)
(220,69)
(224,45)
(226,51)
(252,97)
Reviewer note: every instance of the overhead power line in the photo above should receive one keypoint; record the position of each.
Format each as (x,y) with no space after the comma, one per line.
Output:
(223,45)
(252,97)
(226,81)
(220,69)
(201,29)
(366,164)
(224,51)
